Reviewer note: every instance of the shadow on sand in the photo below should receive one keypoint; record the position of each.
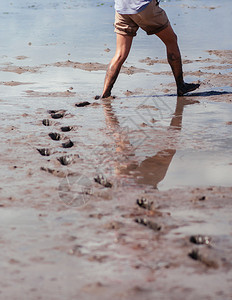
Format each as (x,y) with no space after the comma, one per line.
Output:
(197,94)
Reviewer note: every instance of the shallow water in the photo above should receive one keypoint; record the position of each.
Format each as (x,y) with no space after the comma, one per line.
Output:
(202,141)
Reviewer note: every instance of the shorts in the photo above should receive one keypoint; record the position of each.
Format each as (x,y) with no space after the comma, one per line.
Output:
(152,19)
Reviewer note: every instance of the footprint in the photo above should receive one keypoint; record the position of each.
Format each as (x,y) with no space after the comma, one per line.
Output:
(57,115)
(44,152)
(55,136)
(82,104)
(209,262)
(46,122)
(103,181)
(200,239)
(144,203)
(66,160)
(57,173)
(68,144)
(152,225)
(66,128)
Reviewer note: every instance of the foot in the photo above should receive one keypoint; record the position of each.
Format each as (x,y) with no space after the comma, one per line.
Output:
(105,95)
(97,97)
(187,87)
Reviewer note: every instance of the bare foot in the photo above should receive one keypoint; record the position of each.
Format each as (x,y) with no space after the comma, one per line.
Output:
(97,97)
(105,96)
(187,87)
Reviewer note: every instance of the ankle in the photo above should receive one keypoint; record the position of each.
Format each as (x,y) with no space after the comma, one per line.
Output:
(180,84)
(105,95)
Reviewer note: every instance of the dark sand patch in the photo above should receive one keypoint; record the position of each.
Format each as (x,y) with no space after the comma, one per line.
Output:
(225,55)
(95,66)
(217,67)
(151,62)
(14,83)
(137,91)
(19,70)
(31,93)
(21,57)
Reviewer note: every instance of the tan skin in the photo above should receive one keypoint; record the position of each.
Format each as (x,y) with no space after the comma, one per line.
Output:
(123,47)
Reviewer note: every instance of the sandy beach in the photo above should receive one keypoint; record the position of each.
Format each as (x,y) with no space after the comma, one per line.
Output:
(125,198)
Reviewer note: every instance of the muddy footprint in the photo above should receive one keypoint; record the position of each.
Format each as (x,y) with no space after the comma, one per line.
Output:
(66,128)
(68,144)
(207,261)
(144,203)
(44,151)
(103,181)
(66,159)
(200,239)
(46,122)
(82,104)
(152,225)
(57,173)
(57,115)
(55,136)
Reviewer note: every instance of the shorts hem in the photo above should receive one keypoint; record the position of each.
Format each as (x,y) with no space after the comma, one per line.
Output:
(157,30)
(122,32)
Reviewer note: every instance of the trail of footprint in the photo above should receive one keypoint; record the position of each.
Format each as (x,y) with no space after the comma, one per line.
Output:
(57,114)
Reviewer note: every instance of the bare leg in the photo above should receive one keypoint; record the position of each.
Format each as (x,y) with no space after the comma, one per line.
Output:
(122,50)
(174,59)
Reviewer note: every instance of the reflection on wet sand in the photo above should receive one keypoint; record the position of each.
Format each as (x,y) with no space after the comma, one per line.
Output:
(152,170)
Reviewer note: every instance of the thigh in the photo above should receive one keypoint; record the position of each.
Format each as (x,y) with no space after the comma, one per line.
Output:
(152,19)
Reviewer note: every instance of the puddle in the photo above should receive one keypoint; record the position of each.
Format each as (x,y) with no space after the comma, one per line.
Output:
(189,144)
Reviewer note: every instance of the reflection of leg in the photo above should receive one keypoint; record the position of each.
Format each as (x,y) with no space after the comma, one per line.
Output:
(153,169)
(174,59)
(122,50)
(176,121)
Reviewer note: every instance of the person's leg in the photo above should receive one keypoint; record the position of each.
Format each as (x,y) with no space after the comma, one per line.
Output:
(122,50)
(174,59)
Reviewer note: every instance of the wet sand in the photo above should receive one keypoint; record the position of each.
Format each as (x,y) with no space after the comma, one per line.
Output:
(128,198)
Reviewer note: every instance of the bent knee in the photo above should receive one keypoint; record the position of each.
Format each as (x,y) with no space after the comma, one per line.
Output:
(173,56)
(174,38)
(119,58)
